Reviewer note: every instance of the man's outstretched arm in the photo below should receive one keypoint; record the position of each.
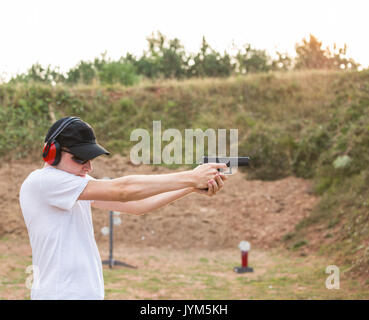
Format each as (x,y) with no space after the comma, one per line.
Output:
(137,187)
(155,202)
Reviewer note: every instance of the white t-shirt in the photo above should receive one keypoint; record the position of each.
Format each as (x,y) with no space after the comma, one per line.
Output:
(66,260)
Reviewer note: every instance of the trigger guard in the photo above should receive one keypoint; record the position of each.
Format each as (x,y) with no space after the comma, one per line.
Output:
(225,172)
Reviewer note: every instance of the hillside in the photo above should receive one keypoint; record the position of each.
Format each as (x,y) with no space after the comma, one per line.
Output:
(311,125)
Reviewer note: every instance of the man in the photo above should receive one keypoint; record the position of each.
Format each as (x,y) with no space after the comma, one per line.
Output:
(56,204)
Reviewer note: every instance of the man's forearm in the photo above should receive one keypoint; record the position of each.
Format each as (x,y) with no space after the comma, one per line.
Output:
(155,202)
(137,187)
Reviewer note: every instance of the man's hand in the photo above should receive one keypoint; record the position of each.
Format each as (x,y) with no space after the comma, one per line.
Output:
(214,185)
(203,173)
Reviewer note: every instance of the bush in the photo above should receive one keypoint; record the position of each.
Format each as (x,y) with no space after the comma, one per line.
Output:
(117,72)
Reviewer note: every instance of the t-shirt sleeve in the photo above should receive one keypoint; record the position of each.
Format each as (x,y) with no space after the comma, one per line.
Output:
(62,189)
(90,178)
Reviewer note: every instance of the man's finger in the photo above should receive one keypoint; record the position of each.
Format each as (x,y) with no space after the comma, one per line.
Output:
(218,165)
(215,186)
(210,189)
(219,181)
(223,176)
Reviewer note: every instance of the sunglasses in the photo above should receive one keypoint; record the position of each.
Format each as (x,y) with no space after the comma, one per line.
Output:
(75,158)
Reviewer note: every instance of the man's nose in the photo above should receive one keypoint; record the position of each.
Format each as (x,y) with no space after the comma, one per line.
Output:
(88,165)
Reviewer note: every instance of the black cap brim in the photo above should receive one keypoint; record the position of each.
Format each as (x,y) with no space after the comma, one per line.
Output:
(88,151)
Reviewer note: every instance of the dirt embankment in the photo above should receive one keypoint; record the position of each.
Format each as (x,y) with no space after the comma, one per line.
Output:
(257,211)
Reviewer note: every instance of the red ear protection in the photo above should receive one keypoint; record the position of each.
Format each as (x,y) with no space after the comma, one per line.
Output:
(51,153)
(52,150)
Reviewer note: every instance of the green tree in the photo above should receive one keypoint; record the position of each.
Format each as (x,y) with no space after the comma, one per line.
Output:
(166,58)
(146,65)
(252,60)
(37,73)
(84,72)
(210,63)
(118,72)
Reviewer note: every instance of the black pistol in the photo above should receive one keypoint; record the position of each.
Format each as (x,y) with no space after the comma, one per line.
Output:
(231,162)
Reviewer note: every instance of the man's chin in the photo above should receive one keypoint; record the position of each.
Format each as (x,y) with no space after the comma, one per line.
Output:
(83,175)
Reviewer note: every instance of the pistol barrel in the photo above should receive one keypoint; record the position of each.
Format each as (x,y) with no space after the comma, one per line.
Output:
(229,161)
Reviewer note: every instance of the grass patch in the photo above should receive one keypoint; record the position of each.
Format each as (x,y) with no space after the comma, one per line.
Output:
(298,244)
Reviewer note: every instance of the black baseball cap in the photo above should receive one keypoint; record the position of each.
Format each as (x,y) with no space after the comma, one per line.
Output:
(79,138)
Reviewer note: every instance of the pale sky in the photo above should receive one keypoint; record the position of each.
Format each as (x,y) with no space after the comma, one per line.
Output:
(61,33)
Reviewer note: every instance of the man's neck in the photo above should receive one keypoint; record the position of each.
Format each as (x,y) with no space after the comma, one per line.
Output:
(46,165)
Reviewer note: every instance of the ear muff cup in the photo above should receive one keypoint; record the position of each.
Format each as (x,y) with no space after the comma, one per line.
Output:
(52,153)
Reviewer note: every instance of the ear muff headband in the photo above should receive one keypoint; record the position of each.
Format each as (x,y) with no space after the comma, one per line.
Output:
(51,152)
(62,126)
